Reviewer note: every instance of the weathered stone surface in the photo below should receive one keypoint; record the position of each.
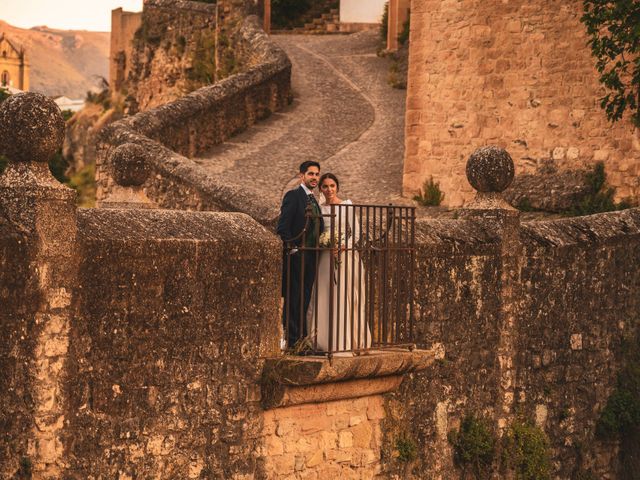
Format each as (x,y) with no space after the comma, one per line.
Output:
(176,311)
(130,165)
(490,169)
(317,441)
(540,325)
(31,127)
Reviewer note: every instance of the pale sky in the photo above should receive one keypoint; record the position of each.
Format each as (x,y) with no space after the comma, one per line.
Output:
(64,14)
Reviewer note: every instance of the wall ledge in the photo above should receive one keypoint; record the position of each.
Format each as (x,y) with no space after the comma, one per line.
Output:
(293,380)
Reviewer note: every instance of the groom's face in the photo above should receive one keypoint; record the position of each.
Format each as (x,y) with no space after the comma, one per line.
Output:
(310,177)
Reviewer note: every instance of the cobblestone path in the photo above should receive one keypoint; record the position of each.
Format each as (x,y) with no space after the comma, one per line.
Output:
(344,115)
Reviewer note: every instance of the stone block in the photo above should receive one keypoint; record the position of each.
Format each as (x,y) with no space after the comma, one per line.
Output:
(345,439)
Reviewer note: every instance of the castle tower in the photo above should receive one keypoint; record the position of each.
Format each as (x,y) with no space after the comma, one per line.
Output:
(14,68)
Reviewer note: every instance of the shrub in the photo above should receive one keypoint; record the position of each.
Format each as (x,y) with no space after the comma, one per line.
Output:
(431,195)
(621,414)
(406,447)
(598,197)
(84,182)
(473,445)
(203,60)
(403,36)
(4,93)
(384,23)
(526,451)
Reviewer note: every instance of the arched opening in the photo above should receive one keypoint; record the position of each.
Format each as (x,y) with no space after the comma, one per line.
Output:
(4,80)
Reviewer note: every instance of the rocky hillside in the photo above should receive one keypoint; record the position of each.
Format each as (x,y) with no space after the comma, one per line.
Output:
(63,62)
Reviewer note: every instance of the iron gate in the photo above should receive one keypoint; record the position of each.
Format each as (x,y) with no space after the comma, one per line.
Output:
(349,288)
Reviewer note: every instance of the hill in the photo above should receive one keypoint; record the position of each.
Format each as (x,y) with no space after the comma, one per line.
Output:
(63,62)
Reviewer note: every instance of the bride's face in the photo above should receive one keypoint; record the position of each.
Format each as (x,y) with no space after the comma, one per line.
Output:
(329,189)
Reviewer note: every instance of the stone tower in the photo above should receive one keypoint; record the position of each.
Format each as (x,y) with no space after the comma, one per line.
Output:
(14,68)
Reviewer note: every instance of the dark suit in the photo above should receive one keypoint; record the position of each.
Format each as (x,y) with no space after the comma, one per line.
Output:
(299,267)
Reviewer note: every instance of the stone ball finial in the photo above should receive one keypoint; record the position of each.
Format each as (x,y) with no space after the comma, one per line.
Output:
(130,167)
(490,169)
(31,127)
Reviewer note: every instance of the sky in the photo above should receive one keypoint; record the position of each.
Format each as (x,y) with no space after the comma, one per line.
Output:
(92,15)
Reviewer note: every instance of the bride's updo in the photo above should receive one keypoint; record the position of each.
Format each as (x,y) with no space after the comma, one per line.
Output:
(332,177)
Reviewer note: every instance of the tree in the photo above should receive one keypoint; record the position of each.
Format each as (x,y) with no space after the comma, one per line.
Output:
(614,30)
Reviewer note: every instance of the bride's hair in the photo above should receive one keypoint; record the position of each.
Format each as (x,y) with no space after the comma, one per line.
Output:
(332,177)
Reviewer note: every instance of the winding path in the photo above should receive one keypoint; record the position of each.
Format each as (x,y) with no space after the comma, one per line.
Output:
(344,115)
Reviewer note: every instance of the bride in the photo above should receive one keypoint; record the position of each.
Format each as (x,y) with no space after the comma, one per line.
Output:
(344,280)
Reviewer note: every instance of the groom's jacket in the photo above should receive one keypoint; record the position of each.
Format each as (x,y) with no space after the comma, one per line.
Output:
(292,216)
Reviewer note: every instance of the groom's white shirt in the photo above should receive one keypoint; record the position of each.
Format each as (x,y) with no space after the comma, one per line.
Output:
(306,189)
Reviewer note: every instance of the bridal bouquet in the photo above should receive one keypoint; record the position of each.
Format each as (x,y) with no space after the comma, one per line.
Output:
(326,241)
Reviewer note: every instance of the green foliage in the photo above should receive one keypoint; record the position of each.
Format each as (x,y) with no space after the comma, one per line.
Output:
(403,36)
(384,23)
(4,93)
(26,469)
(203,60)
(621,414)
(524,205)
(473,445)
(58,165)
(612,26)
(526,451)
(67,114)
(598,197)
(431,195)
(145,35)
(406,447)
(228,64)
(100,98)
(84,182)
(285,13)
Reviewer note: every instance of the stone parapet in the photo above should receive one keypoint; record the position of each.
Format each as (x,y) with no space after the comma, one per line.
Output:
(176,131)
(532,319)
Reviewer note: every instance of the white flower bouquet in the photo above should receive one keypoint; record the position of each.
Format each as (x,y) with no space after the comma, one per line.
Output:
(338,241)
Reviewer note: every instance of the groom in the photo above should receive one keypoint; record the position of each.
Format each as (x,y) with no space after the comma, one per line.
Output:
(299,255)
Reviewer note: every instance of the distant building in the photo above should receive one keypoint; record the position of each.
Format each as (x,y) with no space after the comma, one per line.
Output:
(66,103)
(14,68)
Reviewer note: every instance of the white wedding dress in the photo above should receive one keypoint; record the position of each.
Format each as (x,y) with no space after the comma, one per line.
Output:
(349,327)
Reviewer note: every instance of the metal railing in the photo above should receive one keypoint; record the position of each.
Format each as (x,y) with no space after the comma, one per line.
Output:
(349,286)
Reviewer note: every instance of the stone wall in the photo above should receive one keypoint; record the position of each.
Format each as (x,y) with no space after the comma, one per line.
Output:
(519,75)
(173,51)
(167,344)
(19,300)
(336,439)
(544,343)
(194,123)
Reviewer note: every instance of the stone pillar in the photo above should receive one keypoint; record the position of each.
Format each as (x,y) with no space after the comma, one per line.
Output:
(44,212)
(129,169)
(490,171)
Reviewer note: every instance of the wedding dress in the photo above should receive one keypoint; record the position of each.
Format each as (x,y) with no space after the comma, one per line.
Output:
(349,328)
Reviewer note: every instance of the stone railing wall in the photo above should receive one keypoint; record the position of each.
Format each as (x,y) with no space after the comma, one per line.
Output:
(176,131)
(530,321)
(168,341)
